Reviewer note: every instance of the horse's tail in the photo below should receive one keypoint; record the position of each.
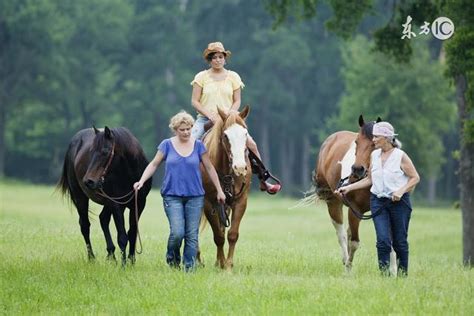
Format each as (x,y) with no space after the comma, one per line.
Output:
(310,197)
(203,221)
(63,184)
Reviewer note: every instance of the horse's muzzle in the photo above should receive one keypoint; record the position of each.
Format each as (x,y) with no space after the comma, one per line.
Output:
(93,185)
(240,170)
(358,172)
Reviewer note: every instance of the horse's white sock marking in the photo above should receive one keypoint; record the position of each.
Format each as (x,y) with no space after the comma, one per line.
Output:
(342,238)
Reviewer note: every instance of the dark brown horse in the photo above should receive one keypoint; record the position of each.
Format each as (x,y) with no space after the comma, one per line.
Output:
(100,164)
(345,154)
(226,144)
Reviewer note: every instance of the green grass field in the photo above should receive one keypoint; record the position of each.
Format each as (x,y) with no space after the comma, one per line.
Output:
(286,262)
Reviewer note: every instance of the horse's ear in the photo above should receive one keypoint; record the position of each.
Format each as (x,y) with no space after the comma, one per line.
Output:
(245,112)
(378,120)
(108,133)
(221,113)
(361,120)
(96,131)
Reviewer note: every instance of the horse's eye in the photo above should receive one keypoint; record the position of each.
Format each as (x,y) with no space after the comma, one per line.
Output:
(105,151)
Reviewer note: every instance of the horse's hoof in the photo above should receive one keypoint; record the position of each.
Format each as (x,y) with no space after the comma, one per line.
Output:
(348,267)
(124,260)
(132,259)
(111,257)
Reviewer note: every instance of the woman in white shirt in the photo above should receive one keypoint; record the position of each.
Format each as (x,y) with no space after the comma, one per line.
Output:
(391,177)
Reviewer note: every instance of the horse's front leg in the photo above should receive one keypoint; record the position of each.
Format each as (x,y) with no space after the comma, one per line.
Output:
(233,233)
(218,232)
(335,212)
(353,237)
(122,239)
(104,217)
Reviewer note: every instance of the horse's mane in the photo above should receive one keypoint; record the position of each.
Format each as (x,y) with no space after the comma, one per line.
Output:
(125,142)
(213,139)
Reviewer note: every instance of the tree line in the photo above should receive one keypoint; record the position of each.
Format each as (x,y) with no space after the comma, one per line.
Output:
(67,65)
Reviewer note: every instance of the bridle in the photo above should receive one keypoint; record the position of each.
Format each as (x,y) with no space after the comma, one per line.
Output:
(109,162)
(227,182)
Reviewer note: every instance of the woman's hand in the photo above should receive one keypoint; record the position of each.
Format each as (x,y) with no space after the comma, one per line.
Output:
(220,197)
(213,117)
(343,190)
(397,195)
(137,185)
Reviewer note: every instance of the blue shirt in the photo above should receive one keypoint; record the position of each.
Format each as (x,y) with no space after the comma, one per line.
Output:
(182,174)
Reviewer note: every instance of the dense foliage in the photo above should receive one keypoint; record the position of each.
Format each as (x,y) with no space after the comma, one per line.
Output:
(66,65)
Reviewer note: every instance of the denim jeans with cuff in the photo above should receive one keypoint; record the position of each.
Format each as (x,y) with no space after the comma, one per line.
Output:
(184,214)
(391,228)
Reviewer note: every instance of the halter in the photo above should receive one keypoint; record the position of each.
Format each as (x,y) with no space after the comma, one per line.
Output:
(112,153)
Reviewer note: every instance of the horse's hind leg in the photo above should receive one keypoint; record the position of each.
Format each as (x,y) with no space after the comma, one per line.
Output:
(81,202)
(336,214)
(122,239)
(233,233)
(105,216)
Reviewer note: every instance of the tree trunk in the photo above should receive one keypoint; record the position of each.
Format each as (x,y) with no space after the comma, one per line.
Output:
(2,138)
(291,165)
(264,144)
(305,167)
(283,163)
(431,190)
(466,173)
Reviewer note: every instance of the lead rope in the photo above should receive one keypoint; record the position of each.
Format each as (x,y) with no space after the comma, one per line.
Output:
(117,200)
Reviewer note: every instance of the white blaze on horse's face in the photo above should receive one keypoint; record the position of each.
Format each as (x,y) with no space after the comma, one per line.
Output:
(237,136)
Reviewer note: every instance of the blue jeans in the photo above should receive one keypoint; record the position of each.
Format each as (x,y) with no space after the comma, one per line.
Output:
(198,128)
(184,214)
(391,228)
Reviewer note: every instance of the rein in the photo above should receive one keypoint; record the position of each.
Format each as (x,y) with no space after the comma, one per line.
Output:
(354,210)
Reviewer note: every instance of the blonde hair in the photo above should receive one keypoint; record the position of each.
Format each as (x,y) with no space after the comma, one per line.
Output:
(182,117)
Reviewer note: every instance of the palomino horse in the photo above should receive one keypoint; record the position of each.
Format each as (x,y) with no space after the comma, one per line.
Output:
(101,165)
(345,154)
(226,144)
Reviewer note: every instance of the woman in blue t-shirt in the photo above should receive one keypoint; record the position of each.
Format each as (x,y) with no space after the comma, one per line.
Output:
(182,190)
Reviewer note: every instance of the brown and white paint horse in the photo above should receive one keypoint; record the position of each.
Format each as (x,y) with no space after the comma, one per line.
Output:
(345,154)
(226,145)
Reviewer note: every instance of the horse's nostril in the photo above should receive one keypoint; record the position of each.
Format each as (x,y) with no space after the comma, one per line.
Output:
(89,183)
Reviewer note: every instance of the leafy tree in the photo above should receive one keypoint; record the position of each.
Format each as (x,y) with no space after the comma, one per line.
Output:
(28,31)
(414,96)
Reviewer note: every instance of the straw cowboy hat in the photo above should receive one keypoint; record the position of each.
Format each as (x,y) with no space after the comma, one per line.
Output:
(215,47)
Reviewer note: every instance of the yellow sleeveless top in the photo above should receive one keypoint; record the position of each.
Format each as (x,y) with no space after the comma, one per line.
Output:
(217,92)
